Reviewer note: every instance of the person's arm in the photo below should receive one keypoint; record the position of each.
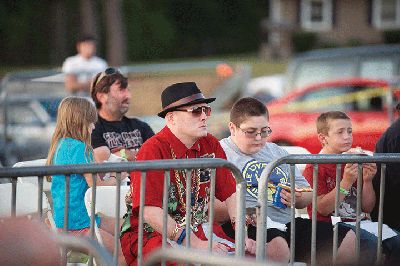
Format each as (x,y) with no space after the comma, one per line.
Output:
(99,182)
(72,85)
(326,202)
(303,199)
(154,217)
(368,192)
(101,154)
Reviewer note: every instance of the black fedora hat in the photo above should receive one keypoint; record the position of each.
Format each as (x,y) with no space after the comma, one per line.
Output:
(181,94)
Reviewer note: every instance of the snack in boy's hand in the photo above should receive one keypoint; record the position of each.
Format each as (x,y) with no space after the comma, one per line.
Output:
(298,189)
(359,151)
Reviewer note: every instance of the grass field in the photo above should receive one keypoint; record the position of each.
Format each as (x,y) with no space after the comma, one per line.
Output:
(259,67)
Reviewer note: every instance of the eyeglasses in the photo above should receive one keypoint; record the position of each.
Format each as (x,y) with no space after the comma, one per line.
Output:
(107,72)
(198,110)
(264,132)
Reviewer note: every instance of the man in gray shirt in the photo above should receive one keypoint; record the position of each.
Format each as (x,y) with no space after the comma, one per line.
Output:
(248,149)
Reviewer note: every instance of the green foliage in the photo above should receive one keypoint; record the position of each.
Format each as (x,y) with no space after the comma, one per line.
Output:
(303,41)
(155,29)
(391,36)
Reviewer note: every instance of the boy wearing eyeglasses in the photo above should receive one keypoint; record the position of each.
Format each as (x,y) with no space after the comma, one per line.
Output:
(248,149)
(185,136)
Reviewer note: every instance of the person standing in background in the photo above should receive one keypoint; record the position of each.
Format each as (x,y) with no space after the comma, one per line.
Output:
(80,68)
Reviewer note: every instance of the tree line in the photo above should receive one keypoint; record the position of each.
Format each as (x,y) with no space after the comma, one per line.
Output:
(43,32)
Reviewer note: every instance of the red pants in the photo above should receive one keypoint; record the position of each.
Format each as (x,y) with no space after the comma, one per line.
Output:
(129,245)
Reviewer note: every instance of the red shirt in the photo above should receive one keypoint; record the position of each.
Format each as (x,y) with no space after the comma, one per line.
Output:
(327,183)
(162,146)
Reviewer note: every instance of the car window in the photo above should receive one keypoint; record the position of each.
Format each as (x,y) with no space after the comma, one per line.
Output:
(316,71)
(344,98)
(327,99)
(377,68)
(368,98)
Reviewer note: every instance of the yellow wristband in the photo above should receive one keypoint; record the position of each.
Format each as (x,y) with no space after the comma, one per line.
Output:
(123,154)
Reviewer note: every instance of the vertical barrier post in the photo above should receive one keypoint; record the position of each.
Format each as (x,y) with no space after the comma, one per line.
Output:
(293,213)
(14,197)
(211,211)
(40,197)
(93,213)
(141,218)
(117,215)
(240,220)
(337,203)
(380,214)
(359,202)
(261,218)
(165,212)
(188,193)
(314,217)
(66,207)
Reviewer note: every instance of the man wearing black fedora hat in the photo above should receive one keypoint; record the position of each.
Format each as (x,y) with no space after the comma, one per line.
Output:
(185,135)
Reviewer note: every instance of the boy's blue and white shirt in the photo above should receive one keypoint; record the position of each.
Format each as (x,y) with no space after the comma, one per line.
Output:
(252,166)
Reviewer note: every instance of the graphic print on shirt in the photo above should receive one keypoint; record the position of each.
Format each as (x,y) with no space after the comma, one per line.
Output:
(200,195)
(127,140)
(252,172)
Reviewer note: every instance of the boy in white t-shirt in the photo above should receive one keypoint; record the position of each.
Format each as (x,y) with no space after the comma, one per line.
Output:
(80,68)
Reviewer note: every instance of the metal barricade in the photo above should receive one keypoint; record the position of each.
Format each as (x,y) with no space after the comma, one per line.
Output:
(143,166)
(316,159)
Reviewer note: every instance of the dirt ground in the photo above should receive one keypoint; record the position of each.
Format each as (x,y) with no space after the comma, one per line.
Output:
(146,90)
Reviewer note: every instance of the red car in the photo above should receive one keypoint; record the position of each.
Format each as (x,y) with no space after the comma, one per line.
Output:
(293,117)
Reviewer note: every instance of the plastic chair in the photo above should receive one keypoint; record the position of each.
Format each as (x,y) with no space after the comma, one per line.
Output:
(33,179)
(106,202)
(27,199)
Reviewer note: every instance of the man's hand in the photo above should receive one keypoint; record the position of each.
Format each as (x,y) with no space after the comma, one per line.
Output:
(196,242)
(250,245)
(369,171)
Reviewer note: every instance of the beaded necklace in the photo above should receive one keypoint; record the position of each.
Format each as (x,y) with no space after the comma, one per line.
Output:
(180,177)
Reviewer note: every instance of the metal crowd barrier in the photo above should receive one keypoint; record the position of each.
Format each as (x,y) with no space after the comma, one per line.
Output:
(316,159)
(144,166)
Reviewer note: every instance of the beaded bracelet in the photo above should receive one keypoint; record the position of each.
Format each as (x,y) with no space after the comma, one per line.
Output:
(343,191)
(181,237)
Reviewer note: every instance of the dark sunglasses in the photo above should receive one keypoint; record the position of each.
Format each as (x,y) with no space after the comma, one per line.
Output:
(109,71)
(198,110)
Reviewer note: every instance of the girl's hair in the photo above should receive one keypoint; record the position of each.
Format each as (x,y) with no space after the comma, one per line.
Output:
(75,114)
(245,108)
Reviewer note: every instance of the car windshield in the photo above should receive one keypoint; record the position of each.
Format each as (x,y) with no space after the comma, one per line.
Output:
(345,98)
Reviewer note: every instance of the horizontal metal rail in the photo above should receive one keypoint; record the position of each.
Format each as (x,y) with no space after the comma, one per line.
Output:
(144,166)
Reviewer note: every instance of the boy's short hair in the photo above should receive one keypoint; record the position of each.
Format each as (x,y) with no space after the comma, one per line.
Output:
(323,120)
(246,107)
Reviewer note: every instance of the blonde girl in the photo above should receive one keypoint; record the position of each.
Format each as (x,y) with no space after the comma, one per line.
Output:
(71,144)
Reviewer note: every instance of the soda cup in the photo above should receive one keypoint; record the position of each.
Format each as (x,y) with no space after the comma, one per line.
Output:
(276,198)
